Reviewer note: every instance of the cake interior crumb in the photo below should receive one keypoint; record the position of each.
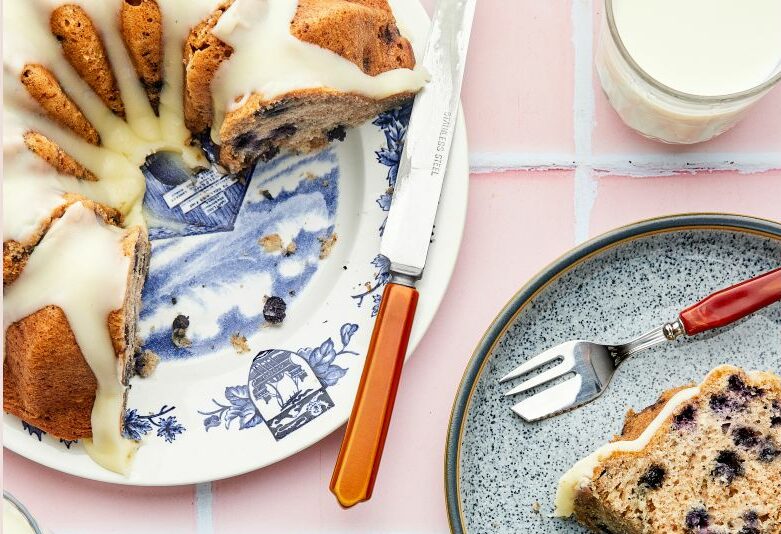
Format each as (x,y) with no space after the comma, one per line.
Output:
(146,363)
(271,243)
(239,343)
(327,244)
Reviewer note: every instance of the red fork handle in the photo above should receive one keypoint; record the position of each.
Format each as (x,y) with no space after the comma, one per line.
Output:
(733,303)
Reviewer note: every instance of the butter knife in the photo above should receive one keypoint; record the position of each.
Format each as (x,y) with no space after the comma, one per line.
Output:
(405,243)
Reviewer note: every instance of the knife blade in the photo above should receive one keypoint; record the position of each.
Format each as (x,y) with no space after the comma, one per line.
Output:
(423,163)
(405,243)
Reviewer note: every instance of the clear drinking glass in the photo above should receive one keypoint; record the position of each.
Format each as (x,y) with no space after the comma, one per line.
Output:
(658,111)
(21,522)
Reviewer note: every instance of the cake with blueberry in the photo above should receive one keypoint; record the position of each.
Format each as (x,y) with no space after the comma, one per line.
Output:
(91,91)
(702,460)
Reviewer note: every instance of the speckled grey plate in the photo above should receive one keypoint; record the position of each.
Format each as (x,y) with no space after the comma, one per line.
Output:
(609,289)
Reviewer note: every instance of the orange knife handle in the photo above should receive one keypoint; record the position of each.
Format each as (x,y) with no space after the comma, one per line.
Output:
(359,458)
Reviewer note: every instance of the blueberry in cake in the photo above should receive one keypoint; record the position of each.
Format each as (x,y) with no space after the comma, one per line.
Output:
(94,88)
(702,460)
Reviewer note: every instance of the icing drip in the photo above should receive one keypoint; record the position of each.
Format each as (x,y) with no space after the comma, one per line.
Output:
(267,59)
(580,474)
(89,282)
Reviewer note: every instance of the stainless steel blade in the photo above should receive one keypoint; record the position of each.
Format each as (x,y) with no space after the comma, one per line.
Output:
(424,160)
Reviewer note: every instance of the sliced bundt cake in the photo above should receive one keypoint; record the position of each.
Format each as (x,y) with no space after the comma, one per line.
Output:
(287,75)
(91,89)
(71,314)
(703,460)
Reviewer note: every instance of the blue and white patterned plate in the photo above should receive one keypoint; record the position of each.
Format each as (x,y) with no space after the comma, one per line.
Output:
(501,473)
(224,406)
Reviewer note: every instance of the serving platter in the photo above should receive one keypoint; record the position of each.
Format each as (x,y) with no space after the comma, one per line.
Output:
(241,393)
(501,473)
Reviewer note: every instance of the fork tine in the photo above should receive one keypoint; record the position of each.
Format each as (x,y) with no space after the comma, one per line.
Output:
(541,359)
(537,380)
(551,401)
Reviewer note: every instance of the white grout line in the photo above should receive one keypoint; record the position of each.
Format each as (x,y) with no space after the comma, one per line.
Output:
(585,195)
(667,164)
(583,114)
(485,162)
(203,509)
(627,164)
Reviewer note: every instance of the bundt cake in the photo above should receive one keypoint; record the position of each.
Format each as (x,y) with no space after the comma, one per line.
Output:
(91,90)
(703,459)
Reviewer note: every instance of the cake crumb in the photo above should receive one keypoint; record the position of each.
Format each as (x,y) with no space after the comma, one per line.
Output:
(310,176)
(146,363)
(179,331)
(291,248)
(271,243)
(239,343)
(536,507)
(326,244)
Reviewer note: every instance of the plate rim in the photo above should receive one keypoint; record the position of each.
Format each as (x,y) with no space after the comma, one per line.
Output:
(517,302)
(458,176)
(458,173)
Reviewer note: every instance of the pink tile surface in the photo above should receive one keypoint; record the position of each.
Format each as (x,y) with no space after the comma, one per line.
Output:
(621,200)
(519,93)
(510,235)
(518,85)
(66,504)
(758,132)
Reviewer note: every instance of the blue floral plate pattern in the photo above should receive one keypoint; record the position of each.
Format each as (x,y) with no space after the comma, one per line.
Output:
(242,393)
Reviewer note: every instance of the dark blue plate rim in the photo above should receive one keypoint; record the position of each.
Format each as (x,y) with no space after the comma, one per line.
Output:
(693,221)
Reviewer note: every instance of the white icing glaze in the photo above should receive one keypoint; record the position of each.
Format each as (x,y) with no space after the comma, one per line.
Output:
(580,474)
(14,522)
(270,61)
(88,282)
(267,59)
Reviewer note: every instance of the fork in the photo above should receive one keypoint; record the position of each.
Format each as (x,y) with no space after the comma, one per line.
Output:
(593,364)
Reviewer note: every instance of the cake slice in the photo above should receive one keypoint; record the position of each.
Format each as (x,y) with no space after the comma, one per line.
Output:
(59,343)
(349,42)
(703,459)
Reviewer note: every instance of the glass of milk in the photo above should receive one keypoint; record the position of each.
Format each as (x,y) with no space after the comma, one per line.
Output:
(16,518)
(685,71)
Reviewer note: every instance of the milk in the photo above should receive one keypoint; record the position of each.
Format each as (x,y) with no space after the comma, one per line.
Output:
(14,521)
(707,49)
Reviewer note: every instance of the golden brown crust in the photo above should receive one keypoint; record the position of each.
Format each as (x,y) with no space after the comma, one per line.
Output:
(636,422)
(141,25)
(14,259)
(84,50)
(46,90)
(203,54)
(46,380)
(55,156)
(362,31)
